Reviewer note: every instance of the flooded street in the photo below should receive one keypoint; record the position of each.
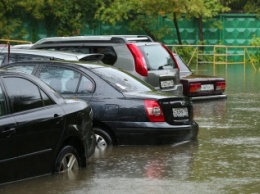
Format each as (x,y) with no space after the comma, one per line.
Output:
(225,159)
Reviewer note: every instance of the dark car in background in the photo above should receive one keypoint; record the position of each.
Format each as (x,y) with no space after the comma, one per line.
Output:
(40,132)
(138,54)
(200,87)
(14,55)
(127,111)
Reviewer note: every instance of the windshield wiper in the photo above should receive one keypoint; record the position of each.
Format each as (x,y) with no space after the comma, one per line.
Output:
(161,67)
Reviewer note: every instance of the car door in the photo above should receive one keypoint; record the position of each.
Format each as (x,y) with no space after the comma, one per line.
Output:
(69,82)
(40,125)
(7,141)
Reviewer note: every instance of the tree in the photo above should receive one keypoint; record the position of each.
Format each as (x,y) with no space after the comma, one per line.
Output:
(203,10)
(143,13)
(253,6)
(61,17)
(10,20)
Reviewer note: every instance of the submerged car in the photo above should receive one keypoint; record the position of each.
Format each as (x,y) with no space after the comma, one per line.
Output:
(200,87)
(127,111)
(40,132)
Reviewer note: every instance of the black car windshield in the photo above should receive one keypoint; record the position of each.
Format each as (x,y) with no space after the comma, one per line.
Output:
(121,80)
(157,57)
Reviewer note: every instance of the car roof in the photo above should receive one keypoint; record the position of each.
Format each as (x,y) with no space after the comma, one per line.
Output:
(96,38)
(84,64)
(56,54)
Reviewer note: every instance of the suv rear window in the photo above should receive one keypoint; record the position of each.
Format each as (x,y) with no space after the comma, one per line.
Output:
(121,80)
(157,57)
(110,56)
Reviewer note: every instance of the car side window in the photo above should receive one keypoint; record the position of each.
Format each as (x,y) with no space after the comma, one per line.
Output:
(22,68)
(86,85)
(65,80)
(2,103)
(24,95)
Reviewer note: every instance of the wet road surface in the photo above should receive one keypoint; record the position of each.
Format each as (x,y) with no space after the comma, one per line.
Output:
(225,159)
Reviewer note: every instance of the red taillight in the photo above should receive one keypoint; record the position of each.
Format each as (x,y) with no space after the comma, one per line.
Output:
(140,64)
(170,53)
(195,87)
(221,85)
(154,111)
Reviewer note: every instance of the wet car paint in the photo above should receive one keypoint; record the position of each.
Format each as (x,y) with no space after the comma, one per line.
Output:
(118,103)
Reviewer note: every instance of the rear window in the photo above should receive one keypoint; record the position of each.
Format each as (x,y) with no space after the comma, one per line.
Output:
(157,57)
(109,58)
(121,80)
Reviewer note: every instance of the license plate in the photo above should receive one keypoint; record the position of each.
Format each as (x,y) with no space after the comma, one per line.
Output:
(207,87)
(167,84)
(180,112)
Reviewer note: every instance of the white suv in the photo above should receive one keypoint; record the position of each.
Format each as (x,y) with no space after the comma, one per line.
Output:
(140,55)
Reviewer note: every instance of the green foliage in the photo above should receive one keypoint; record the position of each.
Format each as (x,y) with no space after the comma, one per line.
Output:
(255,57)
(255,41)
(253,6)
(187,54)
(61,17)
(10,20)
(142,14)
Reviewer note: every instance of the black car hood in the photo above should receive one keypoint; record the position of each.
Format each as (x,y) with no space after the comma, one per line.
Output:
(152,95)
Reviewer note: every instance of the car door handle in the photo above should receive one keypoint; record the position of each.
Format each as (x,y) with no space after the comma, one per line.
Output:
(59,117)
(9,132)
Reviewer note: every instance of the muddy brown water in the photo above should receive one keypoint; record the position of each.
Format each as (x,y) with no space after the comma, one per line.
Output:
(225,159)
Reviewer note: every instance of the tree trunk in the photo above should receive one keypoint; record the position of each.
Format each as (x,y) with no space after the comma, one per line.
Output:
(177,28)
(201,35)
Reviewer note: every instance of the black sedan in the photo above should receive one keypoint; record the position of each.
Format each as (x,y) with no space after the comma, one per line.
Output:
(40,132)
(127,111)
(200,87)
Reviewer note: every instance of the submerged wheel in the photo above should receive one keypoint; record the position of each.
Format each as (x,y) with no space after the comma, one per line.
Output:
(68,160)
(103,139)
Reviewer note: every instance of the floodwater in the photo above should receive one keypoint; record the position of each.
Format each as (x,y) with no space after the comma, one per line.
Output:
(225,159)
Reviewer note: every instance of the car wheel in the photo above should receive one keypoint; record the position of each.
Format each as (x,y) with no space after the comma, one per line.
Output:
(68,160)
(103,138)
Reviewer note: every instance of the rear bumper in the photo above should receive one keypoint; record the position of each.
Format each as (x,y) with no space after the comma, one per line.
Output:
(177,90)
(155,133)
(210,97)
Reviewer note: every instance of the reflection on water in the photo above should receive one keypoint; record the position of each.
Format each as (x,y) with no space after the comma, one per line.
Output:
(225,159)
(153,162)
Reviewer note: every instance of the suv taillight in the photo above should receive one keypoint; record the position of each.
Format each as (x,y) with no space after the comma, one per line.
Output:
(221,85)
(140,64)
(154,111)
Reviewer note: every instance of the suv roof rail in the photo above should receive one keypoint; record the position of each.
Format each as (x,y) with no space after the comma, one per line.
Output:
(96,39)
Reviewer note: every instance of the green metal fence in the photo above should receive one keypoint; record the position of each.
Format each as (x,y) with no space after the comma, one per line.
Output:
(236,29)
(218,55)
